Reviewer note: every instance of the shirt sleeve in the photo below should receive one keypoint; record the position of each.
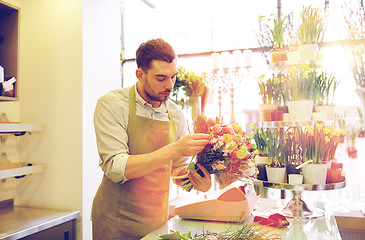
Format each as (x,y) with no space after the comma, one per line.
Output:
(112,139)
(181,131)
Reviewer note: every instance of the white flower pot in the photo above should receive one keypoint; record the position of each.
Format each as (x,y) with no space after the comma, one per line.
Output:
(315,173)
(329,111)
(308,52)
(300,110)
(319,116)
(276,174)
(293,57)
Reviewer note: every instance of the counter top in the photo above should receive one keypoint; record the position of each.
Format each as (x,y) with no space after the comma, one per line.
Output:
(17,222)
(323,228)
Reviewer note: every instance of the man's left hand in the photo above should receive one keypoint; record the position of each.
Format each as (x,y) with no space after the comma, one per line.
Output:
(200,183)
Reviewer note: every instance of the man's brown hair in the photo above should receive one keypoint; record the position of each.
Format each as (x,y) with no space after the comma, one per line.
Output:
(155,49)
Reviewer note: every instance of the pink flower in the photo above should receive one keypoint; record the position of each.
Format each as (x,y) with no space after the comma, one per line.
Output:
(217,128)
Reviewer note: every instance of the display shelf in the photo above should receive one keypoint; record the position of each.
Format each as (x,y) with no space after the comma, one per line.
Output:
(19,128)
(21,171)
(296,207)
(299,187)
(292,123)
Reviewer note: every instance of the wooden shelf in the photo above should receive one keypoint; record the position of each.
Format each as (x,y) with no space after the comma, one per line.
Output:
(15,172)
(17,128)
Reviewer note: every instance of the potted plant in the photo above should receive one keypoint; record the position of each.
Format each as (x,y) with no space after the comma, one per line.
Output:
(326,86)
(261,158)
(318,144)
(353,129)
(310,32)
(292,151)
(276,169)
(302,89)
(277,32)
(271,95)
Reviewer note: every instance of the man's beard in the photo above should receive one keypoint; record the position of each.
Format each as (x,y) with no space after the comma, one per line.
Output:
(155,97)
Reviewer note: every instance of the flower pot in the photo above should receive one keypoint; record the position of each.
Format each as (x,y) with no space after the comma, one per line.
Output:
(300,110)
(275,174)
(291,169)
(329,111)
(333,175)
(278,56)
(293,57)
(266,109)
(318,116)
(308,52)
(315,173)
(261,163)
(295,179)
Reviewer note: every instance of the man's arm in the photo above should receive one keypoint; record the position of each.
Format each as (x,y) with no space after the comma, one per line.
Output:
(143,164)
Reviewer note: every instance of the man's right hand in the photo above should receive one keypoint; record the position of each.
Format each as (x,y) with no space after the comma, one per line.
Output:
(191,144)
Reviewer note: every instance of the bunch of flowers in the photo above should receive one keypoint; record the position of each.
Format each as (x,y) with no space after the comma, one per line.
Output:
(319,142)
(228,155)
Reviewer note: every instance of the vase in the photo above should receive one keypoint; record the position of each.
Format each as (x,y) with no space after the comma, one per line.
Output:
(361,93)
(275,174)
(300,110)
(195,104)
(308,52)
(261,163)
(315,173)
(329,111)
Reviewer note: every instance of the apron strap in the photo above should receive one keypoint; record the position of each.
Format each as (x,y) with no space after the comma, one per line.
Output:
(132,106)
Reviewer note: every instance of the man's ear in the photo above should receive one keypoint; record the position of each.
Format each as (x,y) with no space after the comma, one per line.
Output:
(139,73)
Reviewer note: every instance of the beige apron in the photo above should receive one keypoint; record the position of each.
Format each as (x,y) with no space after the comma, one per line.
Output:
(135,208)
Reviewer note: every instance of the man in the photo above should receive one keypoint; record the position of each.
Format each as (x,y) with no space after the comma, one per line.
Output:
(142,138)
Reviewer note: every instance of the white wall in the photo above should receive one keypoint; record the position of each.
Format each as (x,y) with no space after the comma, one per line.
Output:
(101,73)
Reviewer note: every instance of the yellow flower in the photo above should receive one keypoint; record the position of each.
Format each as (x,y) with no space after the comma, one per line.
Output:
(227,138)
(305,67)
(242,152)
(293,69)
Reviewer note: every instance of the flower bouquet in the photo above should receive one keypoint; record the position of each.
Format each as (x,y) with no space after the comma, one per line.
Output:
(228,155)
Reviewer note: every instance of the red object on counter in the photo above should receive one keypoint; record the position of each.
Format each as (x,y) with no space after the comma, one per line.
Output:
(275,220)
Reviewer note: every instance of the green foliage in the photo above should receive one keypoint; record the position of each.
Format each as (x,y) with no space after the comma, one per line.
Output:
(278,33)
(325,86)
(275,144)
(311,28)
(272,89)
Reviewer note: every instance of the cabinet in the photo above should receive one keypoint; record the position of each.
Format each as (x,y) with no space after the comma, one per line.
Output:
(17,129)
(9,18)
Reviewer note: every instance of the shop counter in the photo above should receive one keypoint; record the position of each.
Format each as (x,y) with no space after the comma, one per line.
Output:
(28,223)
(323,228)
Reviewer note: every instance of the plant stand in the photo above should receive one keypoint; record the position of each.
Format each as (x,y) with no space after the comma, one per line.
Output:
(297,207)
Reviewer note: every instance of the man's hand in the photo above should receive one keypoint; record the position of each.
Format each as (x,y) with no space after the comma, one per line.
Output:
(191,144)
(200,183)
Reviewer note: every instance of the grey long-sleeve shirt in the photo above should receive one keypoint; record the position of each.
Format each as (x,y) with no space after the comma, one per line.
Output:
(111,120)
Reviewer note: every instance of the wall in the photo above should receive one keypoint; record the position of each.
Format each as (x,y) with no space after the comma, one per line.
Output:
(101,73)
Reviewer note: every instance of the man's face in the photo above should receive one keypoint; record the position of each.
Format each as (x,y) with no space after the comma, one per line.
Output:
(156,84)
